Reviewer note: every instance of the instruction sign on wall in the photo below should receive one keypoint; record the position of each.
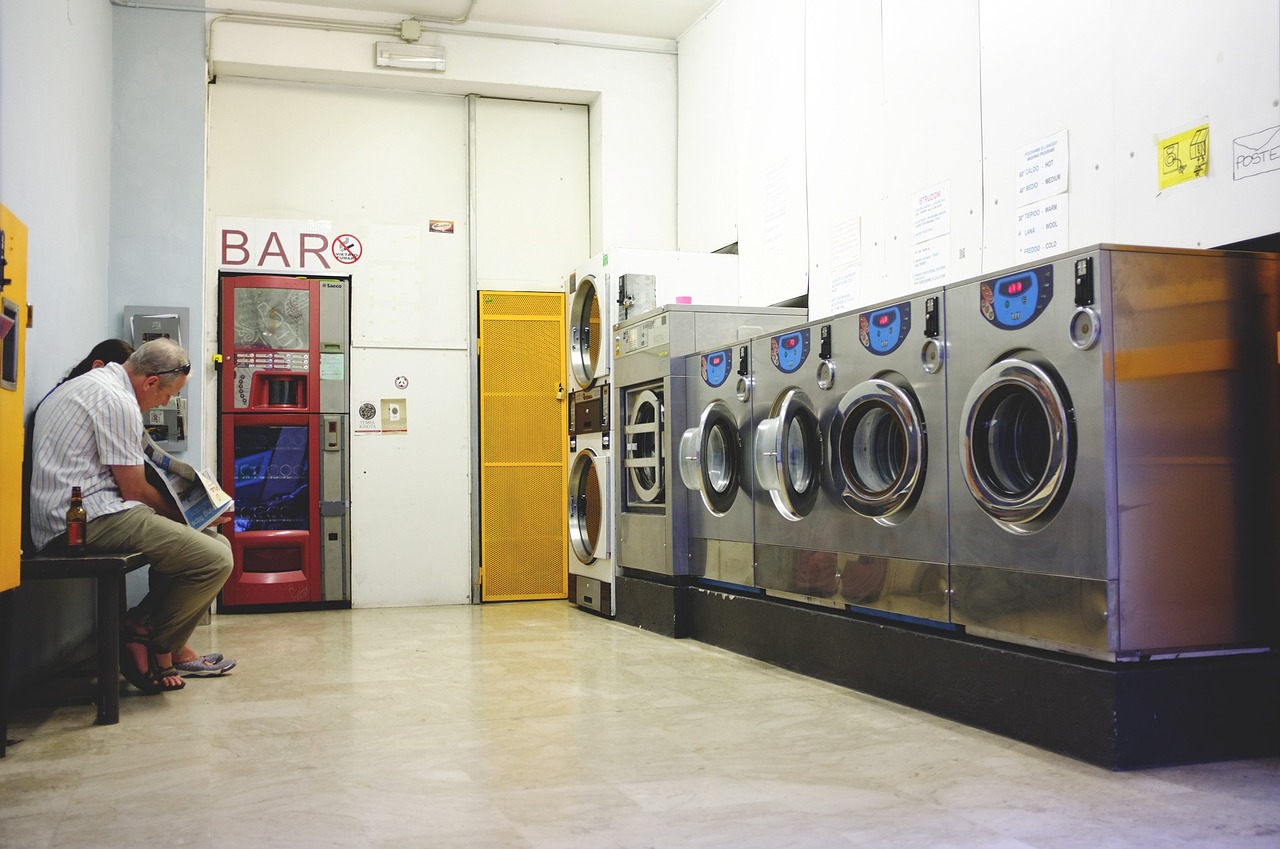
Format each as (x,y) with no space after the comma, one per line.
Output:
(1184,156)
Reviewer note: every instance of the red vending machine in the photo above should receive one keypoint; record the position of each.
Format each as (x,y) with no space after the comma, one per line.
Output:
(284,427)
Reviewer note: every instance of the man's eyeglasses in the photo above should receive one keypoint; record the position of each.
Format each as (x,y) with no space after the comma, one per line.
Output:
(179,370)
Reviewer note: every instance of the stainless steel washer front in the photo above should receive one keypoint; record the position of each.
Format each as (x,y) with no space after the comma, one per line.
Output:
(1113,412)
(867,390)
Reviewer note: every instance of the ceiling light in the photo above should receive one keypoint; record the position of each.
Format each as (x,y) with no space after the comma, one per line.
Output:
(417,57)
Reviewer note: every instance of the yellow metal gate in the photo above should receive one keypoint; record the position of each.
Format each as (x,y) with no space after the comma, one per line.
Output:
(523,433)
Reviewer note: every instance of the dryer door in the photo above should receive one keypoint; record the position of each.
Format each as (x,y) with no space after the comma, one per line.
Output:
(586,333)
(788,455)
(643,449)
(589,506)
(711,456)
(878,448)
(1017,444)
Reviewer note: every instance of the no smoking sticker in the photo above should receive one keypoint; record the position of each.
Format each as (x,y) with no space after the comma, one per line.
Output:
(347,248)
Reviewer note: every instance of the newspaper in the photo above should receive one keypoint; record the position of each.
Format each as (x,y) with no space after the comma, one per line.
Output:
(201,501)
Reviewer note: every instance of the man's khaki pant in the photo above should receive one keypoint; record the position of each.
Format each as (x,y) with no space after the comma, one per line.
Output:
(188,568)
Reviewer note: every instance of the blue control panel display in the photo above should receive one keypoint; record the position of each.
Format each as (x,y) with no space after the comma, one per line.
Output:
(1015,300)
(883,330)
(716,367)
(789,350)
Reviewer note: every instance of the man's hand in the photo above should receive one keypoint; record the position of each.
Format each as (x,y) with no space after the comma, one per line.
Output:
(134,486)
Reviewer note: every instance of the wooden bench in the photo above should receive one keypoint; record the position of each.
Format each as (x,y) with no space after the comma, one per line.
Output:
(108,571)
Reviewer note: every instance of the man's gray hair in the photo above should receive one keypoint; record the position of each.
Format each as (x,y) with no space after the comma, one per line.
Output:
(163,357)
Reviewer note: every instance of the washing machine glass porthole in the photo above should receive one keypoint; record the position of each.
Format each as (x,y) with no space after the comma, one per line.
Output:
(586,507)
(643,458)
(644,446)
(799,469)
(709,457)
(788,455)
(1017,444)
(718,463)
(585,333)
(879,449)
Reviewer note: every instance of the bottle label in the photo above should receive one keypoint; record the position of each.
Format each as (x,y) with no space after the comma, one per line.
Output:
(75,534)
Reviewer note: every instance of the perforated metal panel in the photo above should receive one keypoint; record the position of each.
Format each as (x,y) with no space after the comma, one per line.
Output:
(522,461)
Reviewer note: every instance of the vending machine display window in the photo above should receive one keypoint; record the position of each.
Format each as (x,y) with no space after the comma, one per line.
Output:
(272,478)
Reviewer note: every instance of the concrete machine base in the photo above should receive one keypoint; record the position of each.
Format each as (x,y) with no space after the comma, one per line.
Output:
(1114,715)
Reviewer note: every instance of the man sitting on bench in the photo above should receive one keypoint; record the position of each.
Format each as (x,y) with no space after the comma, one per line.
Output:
(89,433)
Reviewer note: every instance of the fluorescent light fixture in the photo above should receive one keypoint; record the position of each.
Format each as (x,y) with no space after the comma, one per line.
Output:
(417,57)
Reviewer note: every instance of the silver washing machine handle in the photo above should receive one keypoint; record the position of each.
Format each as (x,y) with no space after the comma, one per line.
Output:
(691,458)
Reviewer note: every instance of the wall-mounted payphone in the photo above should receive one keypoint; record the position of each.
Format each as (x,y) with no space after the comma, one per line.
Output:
(168,424)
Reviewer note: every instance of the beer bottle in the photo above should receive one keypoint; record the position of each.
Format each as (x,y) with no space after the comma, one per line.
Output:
(77,520)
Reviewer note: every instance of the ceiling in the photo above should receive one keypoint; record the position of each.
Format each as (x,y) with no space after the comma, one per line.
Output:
(653,18)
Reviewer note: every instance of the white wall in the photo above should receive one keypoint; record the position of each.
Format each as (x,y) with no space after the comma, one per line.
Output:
(631,92)
(1074,93)
(55,167)
(900,98)
(524,236)
(156,220)
(380,165)
(1179,65)
(55,154)
(742,144)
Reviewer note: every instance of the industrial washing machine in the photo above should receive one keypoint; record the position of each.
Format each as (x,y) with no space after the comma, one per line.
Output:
(1113,418)
(715,463)
(651,394)
(617,285)
(851,449)
(787,456)
(590,501)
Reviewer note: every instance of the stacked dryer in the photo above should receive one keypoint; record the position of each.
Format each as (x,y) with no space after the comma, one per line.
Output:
(850,455)
(613,286)
(1113,414)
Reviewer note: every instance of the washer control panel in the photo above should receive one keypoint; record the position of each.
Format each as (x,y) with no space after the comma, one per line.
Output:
(1015,300)
(881,331)
(789,350)
(716,367)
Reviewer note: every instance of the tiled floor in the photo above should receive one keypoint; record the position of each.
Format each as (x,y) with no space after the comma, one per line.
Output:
(538,725)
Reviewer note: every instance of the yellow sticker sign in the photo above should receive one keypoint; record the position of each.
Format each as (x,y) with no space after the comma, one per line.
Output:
(1184,157)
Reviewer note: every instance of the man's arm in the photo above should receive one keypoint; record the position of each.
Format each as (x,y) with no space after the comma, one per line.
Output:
(134,486)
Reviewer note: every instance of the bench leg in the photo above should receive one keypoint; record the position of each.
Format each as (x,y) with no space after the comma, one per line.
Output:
(110,597)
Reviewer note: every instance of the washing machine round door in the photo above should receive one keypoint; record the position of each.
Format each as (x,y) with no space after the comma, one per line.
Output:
(878,448)
(644,448)
(585,333)
(710,456)
(588,506)
(1017,443)
(788,455)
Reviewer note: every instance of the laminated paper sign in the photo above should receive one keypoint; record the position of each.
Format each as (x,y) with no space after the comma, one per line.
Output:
(1184,157)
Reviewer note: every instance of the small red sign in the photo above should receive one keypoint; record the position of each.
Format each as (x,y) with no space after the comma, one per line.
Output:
(347,248)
